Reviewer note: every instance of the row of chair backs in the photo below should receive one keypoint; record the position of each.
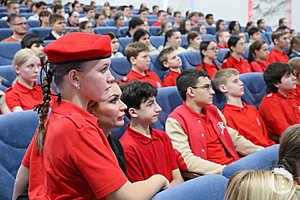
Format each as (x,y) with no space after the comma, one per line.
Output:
(30,23)
(17,130)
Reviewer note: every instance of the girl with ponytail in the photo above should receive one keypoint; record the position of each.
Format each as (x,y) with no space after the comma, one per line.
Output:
(258,54)
(233,59)
(209,52)
(70,157)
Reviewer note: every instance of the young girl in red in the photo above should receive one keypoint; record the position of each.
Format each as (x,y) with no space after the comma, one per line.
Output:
(233,59)
(71,157)
(25,93)
(208,52)
(258,54)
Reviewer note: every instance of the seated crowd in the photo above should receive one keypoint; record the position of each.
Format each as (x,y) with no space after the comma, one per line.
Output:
(199,139)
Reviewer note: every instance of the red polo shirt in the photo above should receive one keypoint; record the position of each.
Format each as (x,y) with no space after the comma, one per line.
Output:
(77,158)
(277,56)
(27,98)
(211,69)
(215,150)
(241,65)
(247,121)
(221,47)
(150,77)
(33,160)
(157,24)
(148,156)
(259,66)
(170,78)
(279,112)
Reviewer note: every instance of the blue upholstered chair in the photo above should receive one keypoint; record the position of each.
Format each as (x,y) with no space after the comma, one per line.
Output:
(7,52)
(208,37)
(154,30)
(120,67)
(33,23)
(3,23)
(221,55)
(157,67)
(105,29)
(208,187)
(7,72)
(263,159)
(211,30)
(168,98)
(5,33)
(245,55)
(17,130)
(157,41)
(254,88)
(190,59)
(42,32)
(124,41)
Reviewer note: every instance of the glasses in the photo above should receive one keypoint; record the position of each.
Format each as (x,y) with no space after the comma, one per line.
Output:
(213,49)
(20,24)
(207,87)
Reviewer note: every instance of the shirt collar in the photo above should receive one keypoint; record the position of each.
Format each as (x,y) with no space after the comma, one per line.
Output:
(139,75)
(237,108)
(25,89)
(140,137)
(68,108)
(56,35)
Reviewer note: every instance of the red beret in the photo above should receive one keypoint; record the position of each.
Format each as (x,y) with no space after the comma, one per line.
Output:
(78,47)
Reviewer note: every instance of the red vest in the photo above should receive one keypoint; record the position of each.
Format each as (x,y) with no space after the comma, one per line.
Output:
(188,119)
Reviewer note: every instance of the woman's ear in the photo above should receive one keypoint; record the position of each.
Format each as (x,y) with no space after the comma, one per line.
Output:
(17,69)
(73,78)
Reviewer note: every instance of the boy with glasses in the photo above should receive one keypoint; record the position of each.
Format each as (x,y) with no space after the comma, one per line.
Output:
(198,130)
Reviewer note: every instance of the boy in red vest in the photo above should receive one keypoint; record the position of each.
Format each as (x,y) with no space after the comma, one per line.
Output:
(170,59)
(281,41)
(240,116)
(198,129)
(137,54)
(147,151)
(279,109)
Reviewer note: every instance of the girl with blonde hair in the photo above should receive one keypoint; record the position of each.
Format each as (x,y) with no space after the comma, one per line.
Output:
(261,185)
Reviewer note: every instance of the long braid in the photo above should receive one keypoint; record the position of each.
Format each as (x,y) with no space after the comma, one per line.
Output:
(43,108)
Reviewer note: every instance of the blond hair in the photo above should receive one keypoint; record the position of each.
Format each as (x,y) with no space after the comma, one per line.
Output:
(22,56)
(221,77)
(259,185)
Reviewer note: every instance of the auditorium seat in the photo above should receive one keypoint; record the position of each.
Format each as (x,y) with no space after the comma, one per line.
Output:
(42,32)
(120,67)
(157,41)
(156,66)
(154,30)
(254,88)
(245,55)
(124,41)
(168,98)
(3,23)
(17,130)
(184,42)
(33,23)
(208,37)
(151,21)
(7,52)
(105,29)
(7,72)
(221,55)
(123,31)
(190,59)
(5,33)
(208,187)
(211,30)
(264,159)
